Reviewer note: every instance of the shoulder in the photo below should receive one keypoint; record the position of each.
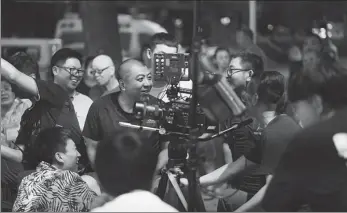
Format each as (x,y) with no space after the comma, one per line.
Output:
(284,122)
(71,179)
(48,85)
(103,101)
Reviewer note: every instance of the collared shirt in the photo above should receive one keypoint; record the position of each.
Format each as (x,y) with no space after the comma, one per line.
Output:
(53,190)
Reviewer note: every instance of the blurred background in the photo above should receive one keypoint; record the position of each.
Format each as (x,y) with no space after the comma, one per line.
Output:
(119,28)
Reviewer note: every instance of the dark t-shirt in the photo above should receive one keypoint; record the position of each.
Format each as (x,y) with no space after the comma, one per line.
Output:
(275,138)
(53,108)
(105,114)
(310,171)
(241,142)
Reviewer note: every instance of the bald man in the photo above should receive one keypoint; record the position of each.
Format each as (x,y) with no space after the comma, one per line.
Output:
(104,71)
(135,83)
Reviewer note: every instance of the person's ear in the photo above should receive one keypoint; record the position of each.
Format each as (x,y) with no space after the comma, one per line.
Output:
(317,104)
(58,157)
(121,85)
(55,70)
(250,74)
(149,53)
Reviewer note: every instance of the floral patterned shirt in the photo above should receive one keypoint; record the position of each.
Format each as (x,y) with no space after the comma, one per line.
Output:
(53,190)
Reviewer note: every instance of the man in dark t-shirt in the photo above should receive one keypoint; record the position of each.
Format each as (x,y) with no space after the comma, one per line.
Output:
(135,83)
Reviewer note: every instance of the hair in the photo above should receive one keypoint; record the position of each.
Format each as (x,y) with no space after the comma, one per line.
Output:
(123,68)
(219,49)
(271,90)
(25,63)
(163,38)
(88,60)
(50,141)
(247,31)
(125,162)
(271,87)
(255,62)
(62,55)
(327,79)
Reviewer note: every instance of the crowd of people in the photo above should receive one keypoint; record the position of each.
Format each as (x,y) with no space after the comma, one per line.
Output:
(63,149)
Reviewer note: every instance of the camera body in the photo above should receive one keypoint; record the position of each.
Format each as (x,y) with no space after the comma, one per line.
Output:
(173,116)
(171,67)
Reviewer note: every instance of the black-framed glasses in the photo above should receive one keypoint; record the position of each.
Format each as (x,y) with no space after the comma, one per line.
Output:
(99,71)
(73,71)
(233,71)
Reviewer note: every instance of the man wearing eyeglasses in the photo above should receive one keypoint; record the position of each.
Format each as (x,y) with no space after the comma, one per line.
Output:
(243,73)
(104,71)
(52,105)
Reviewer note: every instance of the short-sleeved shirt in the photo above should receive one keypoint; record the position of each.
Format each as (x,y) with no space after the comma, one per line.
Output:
(241,142)
(53,108)
(275,138)
(310,171)
(49,189)
(105,114)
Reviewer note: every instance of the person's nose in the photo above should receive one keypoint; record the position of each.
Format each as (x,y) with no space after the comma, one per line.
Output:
(78,154)
(147,82)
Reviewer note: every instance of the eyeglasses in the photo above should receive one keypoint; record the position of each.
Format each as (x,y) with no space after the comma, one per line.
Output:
(100,71)
(73,71)
(233,71)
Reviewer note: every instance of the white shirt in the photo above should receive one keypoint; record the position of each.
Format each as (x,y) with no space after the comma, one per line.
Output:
(81,104)
(136,201)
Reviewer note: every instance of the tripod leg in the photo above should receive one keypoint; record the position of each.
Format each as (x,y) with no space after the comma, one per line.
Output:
(200,205)
(162,186)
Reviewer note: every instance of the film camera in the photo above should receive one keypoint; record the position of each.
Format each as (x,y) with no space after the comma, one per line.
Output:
(174,115)
(217,101)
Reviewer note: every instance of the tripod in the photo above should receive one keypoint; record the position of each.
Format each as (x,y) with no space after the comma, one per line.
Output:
(173,193)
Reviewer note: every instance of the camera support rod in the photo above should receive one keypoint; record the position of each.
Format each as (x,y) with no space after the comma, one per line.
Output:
(192,161)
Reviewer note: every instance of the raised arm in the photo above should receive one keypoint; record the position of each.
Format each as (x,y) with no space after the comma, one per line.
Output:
(15,76)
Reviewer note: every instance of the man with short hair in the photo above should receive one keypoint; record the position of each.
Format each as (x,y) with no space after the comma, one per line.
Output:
(244,74)
(125,165)
(104,70)
(311,170)
(53,104)
(135,83)
(55,185)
